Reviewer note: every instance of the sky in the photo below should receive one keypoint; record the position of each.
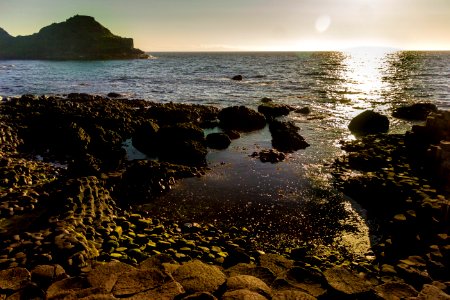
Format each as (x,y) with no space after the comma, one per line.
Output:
(248,25)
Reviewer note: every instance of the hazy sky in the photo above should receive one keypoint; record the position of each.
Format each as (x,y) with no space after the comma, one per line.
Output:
(205,25)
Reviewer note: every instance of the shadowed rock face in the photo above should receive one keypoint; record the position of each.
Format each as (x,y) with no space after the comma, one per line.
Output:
(79,37)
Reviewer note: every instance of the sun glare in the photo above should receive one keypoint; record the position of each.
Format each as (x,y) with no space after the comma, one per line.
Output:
(323,22)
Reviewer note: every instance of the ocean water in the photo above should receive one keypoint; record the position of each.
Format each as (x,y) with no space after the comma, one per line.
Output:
(287,203)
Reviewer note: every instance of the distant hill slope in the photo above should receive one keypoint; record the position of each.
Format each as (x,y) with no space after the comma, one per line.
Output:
(79,37)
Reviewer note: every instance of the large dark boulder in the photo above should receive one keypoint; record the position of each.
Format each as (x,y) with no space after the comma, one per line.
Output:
(237,77)
(417,111)
(272,110)
(79,37)
(241,118)
(369,122)
(285,137)
(182,143)
(145,138)
(218,140)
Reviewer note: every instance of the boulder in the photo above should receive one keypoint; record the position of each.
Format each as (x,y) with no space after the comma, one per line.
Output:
(417,111)
(237,77)
(272,110)
(304,110)
(196,276)
(218,140)
(241,118)
(369,122)
(145,138)
(114,95)
(182,143)
(272,156)
(266,100)
(285,137)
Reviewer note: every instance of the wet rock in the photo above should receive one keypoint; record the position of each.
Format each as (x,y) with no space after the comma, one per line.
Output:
(285,137)
(369,122)
(145,138)
(345,282)
(272,156)
(241,118)
(13,279)
(137,281)
(304,110)
(417,111)
(237,77)
(395,290)
(292,295)
(266,100)
(242,294)
(114,95)
(218,140)
(196,276)
(272,110)
(249,283)
(182,143)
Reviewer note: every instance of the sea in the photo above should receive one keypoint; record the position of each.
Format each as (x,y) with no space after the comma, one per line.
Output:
(289,203)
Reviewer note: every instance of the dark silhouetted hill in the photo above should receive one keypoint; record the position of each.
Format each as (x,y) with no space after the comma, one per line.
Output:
(79,37)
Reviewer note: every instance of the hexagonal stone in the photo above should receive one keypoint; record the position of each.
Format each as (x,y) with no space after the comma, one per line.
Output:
(344,281)
(395,290)
(196,276)
(251,283)
(104,276)
(13,279)
(138,281)
(243,295)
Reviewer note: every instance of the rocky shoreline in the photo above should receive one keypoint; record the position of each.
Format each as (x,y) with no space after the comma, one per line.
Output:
(66,231)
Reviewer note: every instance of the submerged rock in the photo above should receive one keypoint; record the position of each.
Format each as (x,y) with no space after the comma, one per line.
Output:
(218,140)
(417,111)
(272,156)
(272,110)
(369,122)
(241,118)
(237,77)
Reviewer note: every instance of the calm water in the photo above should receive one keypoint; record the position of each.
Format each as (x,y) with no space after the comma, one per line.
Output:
(288,202)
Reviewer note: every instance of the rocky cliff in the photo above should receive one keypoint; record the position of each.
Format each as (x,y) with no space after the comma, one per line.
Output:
(79,37)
